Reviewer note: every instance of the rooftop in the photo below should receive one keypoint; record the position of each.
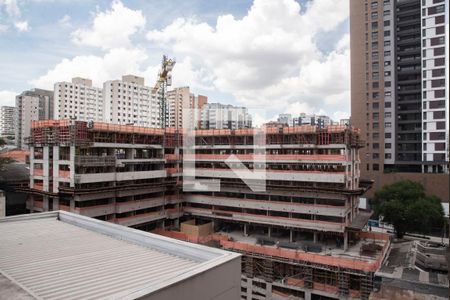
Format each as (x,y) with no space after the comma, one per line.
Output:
(415,266)
(60,255)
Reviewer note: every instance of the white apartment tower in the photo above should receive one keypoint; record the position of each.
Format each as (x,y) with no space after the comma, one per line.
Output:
(78,100)
(220,116)
(32,105)
(129,101)
(7,120)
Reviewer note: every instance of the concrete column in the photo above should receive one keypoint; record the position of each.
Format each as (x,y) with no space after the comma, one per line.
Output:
(72,166)
(46,169)
(291,236)
(245,230)
(72,205)
(30,201)
(31,166)
(249,288)
(177,223)
(345,240)
(268,290)
(55,169)
(269,232)
(55,203)
(315,237)
(45,203)
(307,295)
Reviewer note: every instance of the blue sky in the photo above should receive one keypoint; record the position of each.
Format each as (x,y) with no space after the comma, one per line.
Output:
(284,55)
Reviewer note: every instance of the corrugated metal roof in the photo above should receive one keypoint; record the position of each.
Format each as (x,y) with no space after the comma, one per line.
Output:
(53,259)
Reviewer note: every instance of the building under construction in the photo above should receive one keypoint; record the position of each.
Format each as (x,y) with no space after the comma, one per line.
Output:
(301,236)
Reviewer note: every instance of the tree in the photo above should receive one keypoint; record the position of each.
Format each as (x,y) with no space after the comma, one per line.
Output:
(405,205)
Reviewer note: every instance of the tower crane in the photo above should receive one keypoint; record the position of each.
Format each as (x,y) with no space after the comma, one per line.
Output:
(163,81)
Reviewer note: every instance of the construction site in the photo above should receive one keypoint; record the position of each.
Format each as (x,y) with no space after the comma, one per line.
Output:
(301,238)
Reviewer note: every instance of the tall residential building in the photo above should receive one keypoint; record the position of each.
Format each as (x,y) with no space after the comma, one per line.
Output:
(78,100)
(320,121)
(285,119)
(7,120)
(399,91)
(177,99)
(220,116)
(32,105)
(180,99)
(129,101)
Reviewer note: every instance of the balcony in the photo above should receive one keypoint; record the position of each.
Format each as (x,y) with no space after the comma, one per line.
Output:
(269,220)
(291,207)
(95,161)
(118,176)
(122,207)
(140,218)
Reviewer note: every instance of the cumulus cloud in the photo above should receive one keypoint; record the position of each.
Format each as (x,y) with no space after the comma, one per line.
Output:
(21,26)
(98,68)
(13,16)
(7,98)
(111,29)
(270,55)
(65,21)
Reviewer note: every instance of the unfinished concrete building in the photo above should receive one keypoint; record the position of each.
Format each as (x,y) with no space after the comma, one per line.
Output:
(300,238)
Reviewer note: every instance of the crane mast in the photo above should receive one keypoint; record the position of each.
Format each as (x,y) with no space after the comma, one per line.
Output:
(163,81)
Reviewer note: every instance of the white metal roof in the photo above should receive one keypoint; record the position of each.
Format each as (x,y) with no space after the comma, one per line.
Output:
(59,255)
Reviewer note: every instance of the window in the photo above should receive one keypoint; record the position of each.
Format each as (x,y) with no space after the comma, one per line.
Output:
(376,146)
(387,84)
(387,146)
(375,85)
(387,43)
(375,116)
(386,13)
(439,20)
(375,66)
(439,61)
(374,25)
(387,33)
(439,51)
(437,104)
(437,41)
(374,5)
(439,93)
(440,30)
(440,125)
(387,114)
(387,73)
(387,23)
(387,125)
(388,135)
(439,115)
(387,155)
(375,95)
(388,94)
(375,126)
(387,63)
(387,53)
(375,105)
(375,75)
(374,15)
(374,35)
(437,83)
(374,45)
(375,135)
(375,155)
(376,167)
(374,55)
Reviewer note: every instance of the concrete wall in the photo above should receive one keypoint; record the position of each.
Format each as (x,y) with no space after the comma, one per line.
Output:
(435,184)
(190,228)
(220,283)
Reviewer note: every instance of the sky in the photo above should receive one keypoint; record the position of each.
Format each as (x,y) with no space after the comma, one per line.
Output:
(280,56)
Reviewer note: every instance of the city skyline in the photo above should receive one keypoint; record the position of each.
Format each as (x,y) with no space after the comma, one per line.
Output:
(86,43)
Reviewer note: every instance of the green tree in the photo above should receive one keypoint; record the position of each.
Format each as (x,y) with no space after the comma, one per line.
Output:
(405,205)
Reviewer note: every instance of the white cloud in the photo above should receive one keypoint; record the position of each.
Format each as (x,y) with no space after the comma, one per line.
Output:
(269,58)
(13,16)
(7,98)
(111,29)
(21,26)
(98,68)
(65,21)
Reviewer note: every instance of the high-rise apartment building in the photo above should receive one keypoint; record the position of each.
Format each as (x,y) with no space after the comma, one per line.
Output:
(220,116)
(78,100)
(129,101)
(32,105)
(399,62)
(285,119)
(180,99)
(7,120)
